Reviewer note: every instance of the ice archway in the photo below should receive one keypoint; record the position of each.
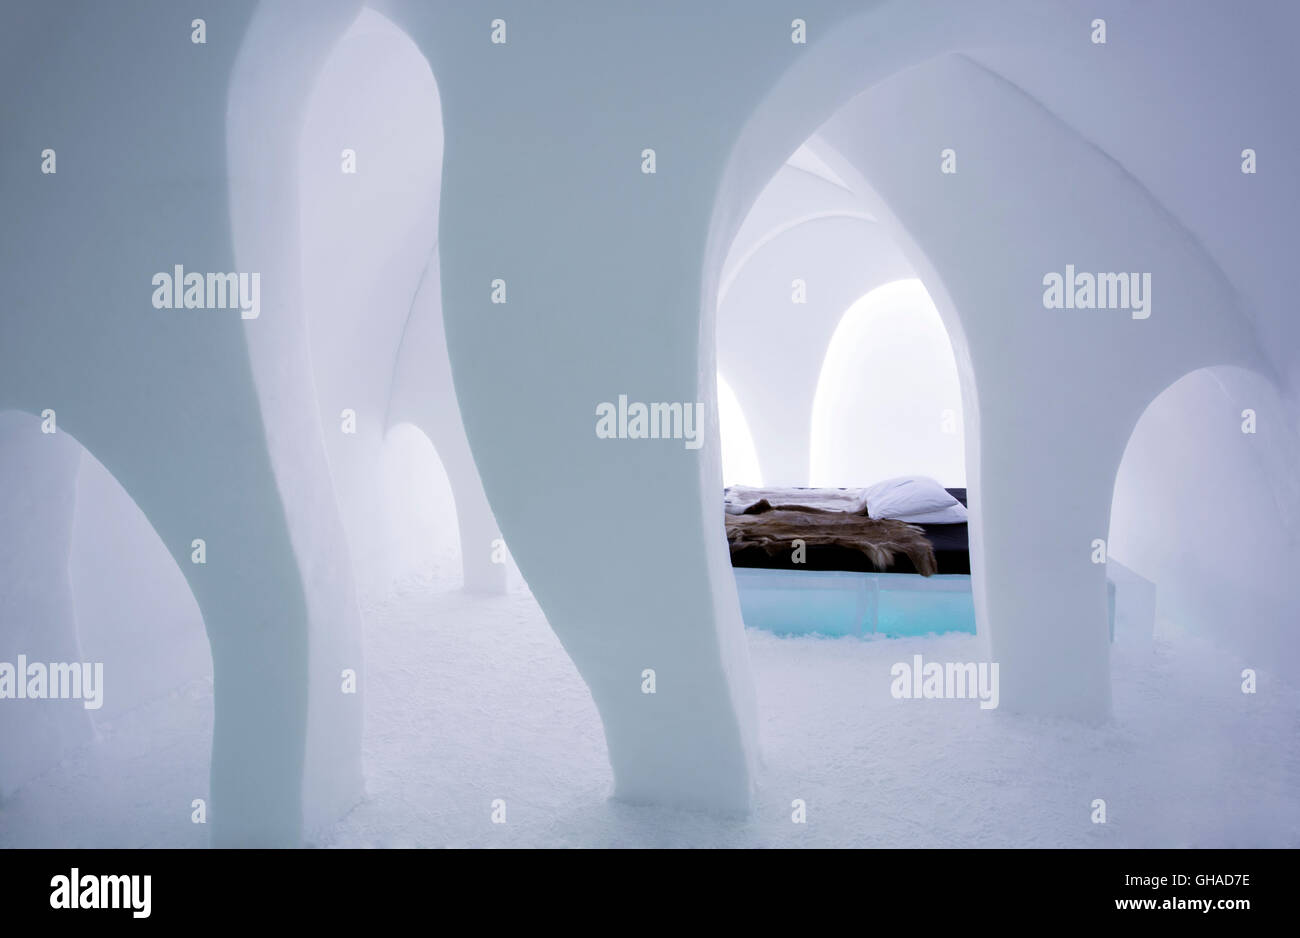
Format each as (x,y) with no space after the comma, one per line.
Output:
(1056,392)
(369,174)
(85,579)
(1201,509)
(808,248)
(888,396)
(419,508)
(1038,374)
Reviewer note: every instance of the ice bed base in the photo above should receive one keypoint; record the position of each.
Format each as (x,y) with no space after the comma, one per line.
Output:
(839,603)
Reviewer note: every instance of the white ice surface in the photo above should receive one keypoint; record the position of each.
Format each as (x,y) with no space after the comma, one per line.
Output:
(471,698)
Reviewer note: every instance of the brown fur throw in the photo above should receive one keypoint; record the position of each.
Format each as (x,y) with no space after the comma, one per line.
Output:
(774,529)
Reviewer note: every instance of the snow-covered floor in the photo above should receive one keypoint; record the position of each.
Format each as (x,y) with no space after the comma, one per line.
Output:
(471,699)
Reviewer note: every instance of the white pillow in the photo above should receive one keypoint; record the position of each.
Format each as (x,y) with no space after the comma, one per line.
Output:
(953,514)
(907,498)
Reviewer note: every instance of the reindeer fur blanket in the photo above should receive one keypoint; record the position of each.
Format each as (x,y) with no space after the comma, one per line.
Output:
(775,529)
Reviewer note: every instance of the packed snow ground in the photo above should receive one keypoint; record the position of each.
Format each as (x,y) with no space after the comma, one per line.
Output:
(471,699)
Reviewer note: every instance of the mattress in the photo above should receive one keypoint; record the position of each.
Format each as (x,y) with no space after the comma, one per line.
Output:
(951,544)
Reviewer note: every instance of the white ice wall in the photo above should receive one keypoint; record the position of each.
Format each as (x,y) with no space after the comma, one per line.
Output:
(1214,78)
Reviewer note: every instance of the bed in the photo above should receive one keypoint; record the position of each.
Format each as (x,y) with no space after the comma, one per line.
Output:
(951,544)
(840,591)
